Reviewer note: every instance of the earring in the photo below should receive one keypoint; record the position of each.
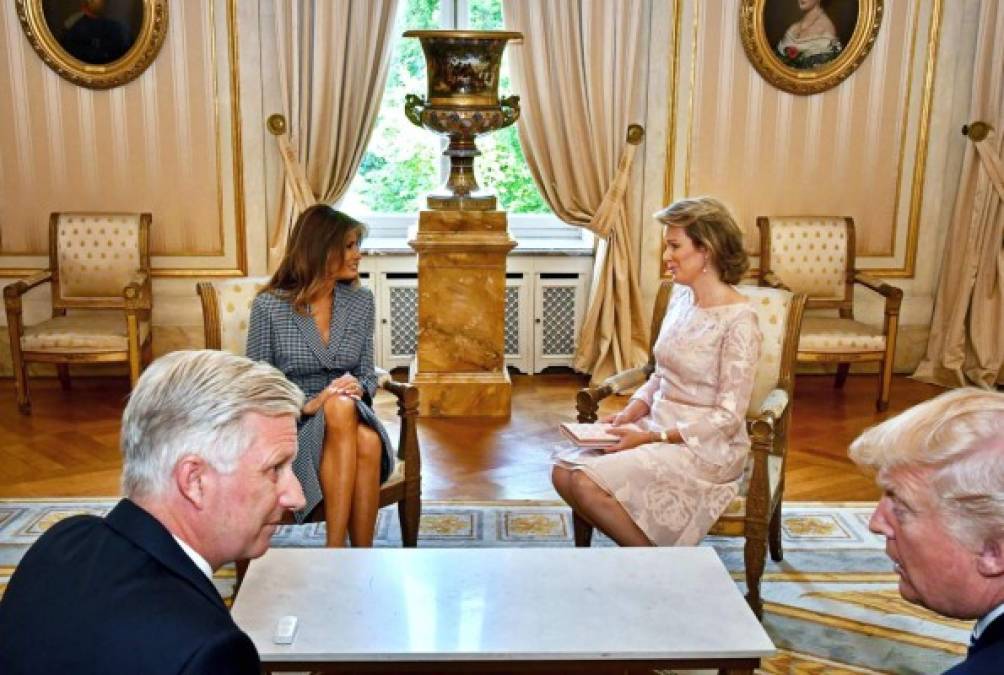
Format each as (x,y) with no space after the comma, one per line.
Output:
(705,270)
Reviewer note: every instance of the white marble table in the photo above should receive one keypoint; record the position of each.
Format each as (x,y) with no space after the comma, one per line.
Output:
(495,610)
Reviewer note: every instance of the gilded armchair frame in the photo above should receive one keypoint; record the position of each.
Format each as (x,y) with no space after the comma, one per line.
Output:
(759,521)
(405,491)
(136,301)
(845,307)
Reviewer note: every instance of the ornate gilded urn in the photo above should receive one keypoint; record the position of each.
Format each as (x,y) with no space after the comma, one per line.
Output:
(463,102)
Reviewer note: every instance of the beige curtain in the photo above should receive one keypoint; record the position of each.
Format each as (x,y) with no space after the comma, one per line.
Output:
(579,73)
(965,346)
(333,57)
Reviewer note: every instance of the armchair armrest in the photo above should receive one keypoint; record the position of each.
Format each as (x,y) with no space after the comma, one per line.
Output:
(407,409)
(773,281)
(760,424)
(136,292)
(588,399)
(774,405)
(15,290)
(400,390)
(893,296)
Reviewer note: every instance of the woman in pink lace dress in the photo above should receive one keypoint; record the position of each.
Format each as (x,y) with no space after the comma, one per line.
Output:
(683,442)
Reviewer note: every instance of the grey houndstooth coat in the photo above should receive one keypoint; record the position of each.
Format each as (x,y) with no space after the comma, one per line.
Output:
(291,342)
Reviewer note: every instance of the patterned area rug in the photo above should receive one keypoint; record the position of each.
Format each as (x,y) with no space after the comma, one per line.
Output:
(831,606)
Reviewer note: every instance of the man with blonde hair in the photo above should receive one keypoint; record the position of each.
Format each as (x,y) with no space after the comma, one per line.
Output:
(941,467)
(208,441)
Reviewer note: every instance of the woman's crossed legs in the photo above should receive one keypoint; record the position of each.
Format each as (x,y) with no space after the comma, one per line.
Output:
(349,473)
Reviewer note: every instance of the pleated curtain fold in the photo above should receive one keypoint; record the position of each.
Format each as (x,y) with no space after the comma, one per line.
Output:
(966,344)
(579,73)
(333,57)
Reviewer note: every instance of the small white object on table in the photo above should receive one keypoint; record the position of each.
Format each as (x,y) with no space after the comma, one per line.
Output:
(464,608)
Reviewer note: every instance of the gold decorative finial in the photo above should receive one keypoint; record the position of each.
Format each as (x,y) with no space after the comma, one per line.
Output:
(635,134)
(276,124)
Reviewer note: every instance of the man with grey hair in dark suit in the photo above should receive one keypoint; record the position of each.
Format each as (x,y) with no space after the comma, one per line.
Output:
(208,440)
(941,466)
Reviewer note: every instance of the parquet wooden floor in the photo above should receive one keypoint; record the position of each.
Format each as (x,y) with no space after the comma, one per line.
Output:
(69,445)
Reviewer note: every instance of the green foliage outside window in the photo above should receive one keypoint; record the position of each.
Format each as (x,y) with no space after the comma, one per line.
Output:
(402,162)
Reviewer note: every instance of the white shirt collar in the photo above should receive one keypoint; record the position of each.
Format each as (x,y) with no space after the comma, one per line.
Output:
(985,621)
(199,561)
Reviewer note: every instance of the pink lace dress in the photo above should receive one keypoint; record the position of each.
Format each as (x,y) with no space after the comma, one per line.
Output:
(705,367)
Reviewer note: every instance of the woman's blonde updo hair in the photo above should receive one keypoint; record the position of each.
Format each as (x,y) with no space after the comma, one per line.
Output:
(710,226)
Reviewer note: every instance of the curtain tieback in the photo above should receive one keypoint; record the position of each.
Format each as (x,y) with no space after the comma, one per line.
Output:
(602,221)
(983,137)
(296,177)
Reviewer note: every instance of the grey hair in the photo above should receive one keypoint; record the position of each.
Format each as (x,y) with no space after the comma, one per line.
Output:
(194,402)
(960,436)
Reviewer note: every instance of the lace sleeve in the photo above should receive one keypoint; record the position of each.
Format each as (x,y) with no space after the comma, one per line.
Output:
(709,434)
(646,392)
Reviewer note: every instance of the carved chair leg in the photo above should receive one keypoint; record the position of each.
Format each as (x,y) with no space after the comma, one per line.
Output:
(754,554)
(21,386)
(842,370)
(885,382)
(63,371)
(583,531)
(774,536)
(409,513)
(134,368)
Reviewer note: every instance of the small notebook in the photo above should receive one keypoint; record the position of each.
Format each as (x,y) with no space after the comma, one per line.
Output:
(588,435)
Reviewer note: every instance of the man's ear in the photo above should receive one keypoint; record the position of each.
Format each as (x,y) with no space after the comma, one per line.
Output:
(990,560)
(190,474)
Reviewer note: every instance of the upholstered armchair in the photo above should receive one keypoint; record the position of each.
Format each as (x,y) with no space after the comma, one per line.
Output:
(755,513)
(815,255)
(226,308)
(99,269)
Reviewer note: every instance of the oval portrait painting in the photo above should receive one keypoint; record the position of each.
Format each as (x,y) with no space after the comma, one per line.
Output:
(95,43)
(809,33)
(808,46)
(96,32)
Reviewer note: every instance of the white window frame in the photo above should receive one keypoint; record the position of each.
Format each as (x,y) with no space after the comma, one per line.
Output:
(532,231)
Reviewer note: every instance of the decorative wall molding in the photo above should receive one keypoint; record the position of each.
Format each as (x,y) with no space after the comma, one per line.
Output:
(858,149)
(169,142)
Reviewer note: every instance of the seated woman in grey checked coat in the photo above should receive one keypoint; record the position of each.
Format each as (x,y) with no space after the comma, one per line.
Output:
(314,322)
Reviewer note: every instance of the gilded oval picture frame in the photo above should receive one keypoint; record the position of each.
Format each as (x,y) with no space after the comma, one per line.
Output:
(808,46)
(95,43)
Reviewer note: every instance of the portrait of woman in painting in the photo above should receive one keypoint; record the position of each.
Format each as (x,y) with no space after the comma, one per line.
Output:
(96,32)
(808,34)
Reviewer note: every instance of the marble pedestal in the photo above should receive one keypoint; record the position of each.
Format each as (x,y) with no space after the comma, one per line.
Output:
(459,367)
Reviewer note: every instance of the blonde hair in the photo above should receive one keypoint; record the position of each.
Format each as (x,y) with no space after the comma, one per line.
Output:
(960,436)
(711,227)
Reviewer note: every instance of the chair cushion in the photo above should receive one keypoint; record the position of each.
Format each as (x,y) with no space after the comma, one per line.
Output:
(772,309)
(92,332)
(809,254)
(97,253)
(737,507)
(839,336)
(234,297)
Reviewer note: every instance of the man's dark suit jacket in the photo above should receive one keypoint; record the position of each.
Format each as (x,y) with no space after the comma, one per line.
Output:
(116,595)
(986,657)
